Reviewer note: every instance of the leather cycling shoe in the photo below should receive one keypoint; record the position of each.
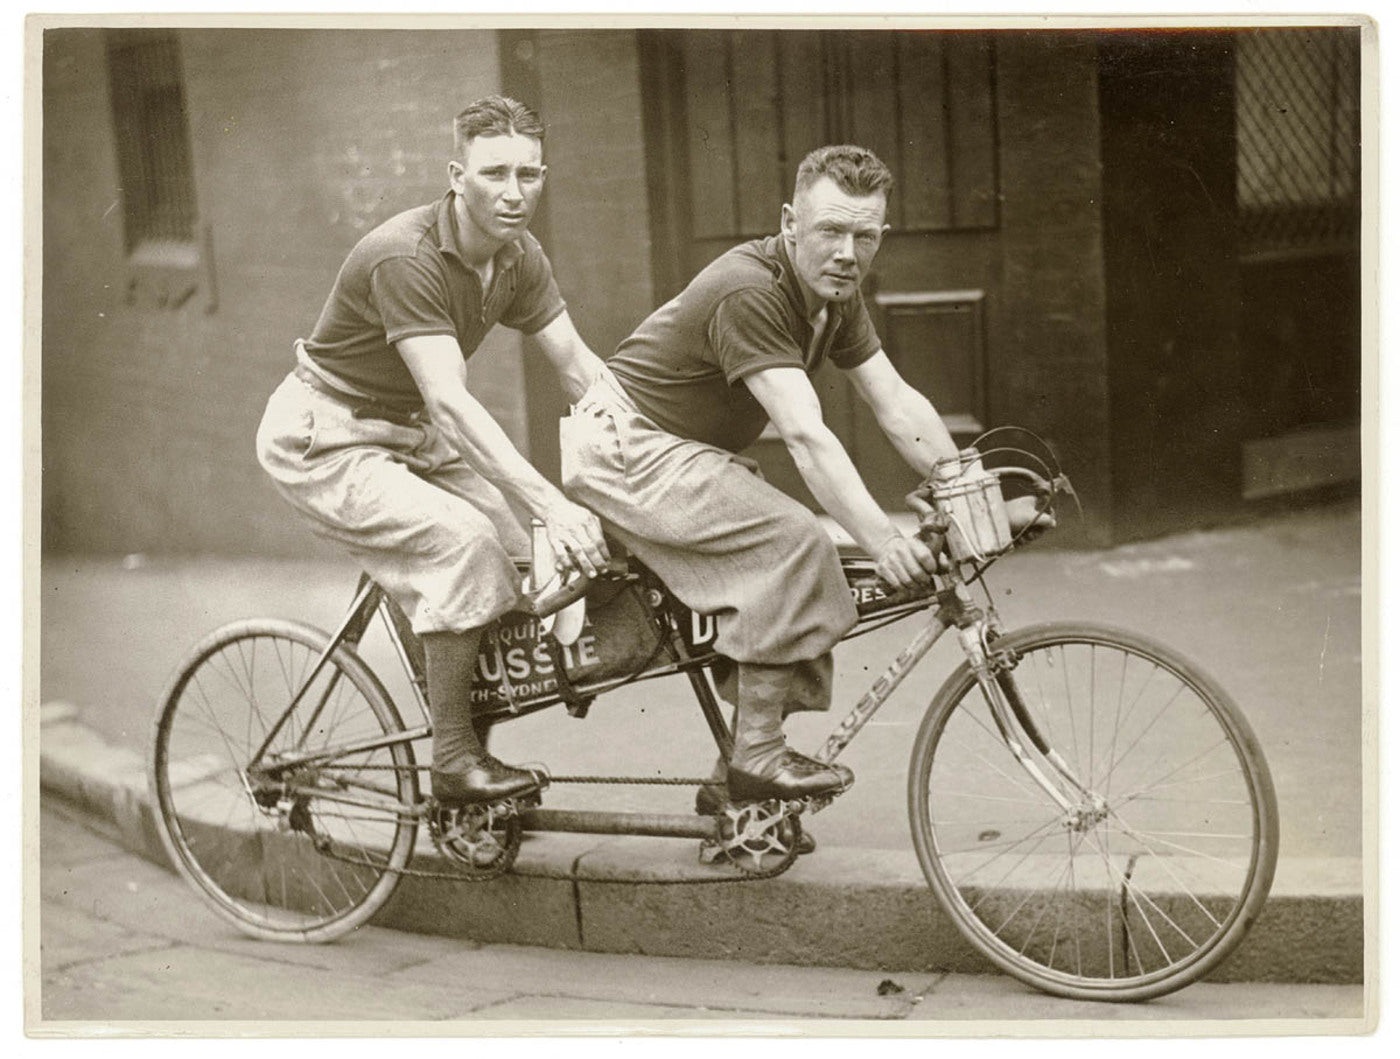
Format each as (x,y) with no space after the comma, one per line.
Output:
(789,775)
(485,780)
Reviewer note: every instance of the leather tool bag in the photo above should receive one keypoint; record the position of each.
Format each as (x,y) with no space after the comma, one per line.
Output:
(518,662)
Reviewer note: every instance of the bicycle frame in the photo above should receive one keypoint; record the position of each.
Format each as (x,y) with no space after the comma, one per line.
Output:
(1170,887)
(952,608)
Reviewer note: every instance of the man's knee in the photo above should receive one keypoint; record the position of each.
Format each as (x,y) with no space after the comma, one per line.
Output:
(802,533)
(474,541)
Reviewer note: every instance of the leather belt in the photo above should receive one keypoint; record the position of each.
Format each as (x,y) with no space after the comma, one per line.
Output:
(362,407)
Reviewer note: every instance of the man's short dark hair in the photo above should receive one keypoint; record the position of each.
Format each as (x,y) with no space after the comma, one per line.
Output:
(855,170)
(494,116)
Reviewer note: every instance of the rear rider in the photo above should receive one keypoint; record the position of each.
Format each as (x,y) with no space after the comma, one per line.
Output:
(375,438)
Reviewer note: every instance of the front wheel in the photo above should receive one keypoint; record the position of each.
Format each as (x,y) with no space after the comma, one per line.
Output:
(304,850)
(1158,854)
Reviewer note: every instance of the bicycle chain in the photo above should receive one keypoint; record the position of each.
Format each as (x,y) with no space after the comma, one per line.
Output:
(654,781)
(324,848)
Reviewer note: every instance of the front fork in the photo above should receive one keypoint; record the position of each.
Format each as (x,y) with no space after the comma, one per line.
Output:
(995,673)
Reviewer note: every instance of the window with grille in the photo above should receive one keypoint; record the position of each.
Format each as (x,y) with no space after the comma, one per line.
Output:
(152,138)
(1298,123)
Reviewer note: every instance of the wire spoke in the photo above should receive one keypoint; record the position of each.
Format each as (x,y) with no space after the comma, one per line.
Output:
(943,792)
(1160,783)
(993,859)
(1131,833)
(1150,725)
(1128,884)
(1132,893)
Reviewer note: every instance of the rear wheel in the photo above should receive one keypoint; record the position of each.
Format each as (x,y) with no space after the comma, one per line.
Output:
(1163,856)
(307,852)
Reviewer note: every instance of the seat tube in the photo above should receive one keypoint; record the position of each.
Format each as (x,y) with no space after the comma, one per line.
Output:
(714,716)
(366,599)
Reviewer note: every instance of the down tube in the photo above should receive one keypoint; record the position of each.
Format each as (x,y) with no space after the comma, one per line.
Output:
(881,690)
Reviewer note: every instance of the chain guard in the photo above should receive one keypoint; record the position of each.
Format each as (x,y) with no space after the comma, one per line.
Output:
(482,840)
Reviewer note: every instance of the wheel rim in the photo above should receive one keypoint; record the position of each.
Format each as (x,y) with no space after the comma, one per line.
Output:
(1149,878)
(256,845)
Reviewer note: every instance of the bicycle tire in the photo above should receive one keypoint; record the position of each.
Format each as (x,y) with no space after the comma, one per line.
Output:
(1174,873)
(257,865)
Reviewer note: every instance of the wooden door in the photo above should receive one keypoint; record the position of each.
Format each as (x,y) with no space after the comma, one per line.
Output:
(731,115)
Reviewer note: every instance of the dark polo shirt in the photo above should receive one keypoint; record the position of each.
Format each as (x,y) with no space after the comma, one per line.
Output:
(408,277)
(743,313)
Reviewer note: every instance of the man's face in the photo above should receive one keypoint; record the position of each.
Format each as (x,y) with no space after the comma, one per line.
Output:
(499,183)
(832,238)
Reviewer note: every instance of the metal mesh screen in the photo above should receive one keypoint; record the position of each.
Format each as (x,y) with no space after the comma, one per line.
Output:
(1298,118)
(153,150)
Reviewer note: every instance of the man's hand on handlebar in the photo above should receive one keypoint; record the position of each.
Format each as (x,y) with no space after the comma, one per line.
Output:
(906,562)
(1022,515)
(577,538)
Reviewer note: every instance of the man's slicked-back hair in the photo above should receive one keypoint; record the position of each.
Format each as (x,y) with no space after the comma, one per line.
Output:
(494,116)
(855,170)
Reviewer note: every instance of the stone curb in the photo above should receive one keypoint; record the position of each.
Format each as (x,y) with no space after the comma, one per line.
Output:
(854,908)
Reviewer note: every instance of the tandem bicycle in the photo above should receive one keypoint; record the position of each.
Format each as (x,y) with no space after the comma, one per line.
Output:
(1090,809)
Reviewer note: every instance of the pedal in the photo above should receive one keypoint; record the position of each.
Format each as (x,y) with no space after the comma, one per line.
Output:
(533,800)
(814,804)
(711,851)
(789,806)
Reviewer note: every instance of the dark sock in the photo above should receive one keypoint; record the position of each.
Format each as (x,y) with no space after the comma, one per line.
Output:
(451,664)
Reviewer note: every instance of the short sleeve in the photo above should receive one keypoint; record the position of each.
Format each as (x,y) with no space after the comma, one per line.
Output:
(856,341)
(749,332)
(411,298)
(537,300)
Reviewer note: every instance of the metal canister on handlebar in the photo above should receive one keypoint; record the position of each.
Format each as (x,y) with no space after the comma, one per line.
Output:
(969,497)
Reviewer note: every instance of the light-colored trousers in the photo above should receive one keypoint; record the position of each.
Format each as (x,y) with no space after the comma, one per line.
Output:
(726,542)
(398,497)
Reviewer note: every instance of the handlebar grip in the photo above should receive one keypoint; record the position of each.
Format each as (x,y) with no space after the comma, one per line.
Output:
(1038,483)
(545,603)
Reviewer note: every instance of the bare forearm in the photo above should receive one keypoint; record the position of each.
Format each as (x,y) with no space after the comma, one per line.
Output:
(485,446)
(917,432)
(827,470)
(571,356)
(578,376)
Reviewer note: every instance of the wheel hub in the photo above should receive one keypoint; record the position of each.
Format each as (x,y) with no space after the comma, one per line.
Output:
(1087,815)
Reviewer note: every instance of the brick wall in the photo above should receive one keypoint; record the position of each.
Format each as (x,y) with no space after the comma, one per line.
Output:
(301,141)
(1111,308)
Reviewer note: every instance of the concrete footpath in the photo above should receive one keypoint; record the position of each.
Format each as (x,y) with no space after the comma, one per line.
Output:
(125,943)
(1272,609)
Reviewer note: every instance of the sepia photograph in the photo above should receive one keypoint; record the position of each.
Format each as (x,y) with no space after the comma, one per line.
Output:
(681,526)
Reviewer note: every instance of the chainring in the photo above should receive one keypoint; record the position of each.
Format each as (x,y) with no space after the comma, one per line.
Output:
(483,840)
(758,838)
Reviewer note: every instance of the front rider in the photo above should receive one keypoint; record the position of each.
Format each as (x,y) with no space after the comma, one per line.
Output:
(375,438)
(651,448)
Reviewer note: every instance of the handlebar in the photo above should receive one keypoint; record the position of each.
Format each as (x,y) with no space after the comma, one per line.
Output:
(936,521)
(549,599)
(933,530)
